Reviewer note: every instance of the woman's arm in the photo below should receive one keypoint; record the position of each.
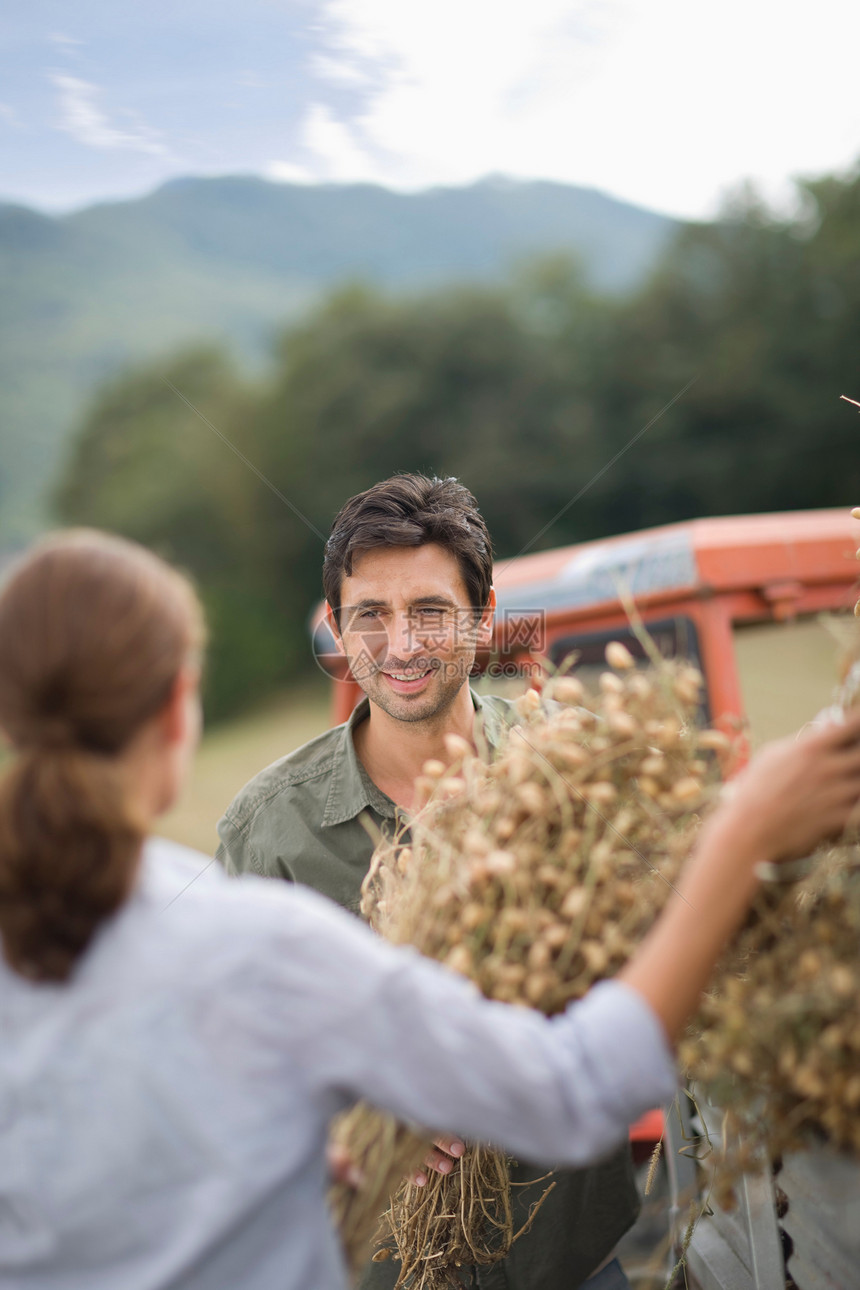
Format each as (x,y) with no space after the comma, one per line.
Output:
(361,1018)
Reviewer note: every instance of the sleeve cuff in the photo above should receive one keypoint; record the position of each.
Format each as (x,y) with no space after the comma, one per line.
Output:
(629,1046)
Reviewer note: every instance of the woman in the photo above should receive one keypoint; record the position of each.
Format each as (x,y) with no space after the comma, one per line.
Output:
(175,1045)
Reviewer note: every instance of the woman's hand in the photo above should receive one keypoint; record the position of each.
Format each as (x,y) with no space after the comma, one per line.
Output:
(793,795)
(796,792)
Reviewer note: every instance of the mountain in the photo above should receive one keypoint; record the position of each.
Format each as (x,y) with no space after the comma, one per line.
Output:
(230,259)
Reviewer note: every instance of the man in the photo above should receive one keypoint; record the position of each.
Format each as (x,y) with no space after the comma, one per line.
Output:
(407,576)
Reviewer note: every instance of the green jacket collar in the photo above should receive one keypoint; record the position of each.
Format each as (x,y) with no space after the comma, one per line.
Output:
(351,790)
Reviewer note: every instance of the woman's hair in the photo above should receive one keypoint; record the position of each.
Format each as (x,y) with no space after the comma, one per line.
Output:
(93,633)
(411,510)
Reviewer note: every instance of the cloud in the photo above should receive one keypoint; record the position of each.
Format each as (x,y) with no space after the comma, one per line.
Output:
(287,172)
(335,154)
(448,92)
(659,103)
(64,41)
(467,89)
(340,71)
(333,143)
(82,119)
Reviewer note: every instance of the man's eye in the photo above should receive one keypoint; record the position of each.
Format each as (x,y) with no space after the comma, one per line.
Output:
(431,611)
(367,614)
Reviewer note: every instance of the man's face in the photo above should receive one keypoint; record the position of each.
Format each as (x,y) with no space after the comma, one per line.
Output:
(408,630)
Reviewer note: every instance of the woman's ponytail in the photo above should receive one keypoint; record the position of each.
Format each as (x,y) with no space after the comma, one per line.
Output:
(93,633)
(68,846)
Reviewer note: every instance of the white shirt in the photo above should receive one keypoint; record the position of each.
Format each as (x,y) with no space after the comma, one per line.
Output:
(163,1114)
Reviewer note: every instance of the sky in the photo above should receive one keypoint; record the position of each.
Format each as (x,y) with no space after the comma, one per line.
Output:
(670,104)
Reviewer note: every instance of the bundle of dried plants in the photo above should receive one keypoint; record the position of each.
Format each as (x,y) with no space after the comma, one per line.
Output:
(535,876)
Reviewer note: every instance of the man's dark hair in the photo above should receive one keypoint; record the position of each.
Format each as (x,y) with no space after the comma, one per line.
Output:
(411,510)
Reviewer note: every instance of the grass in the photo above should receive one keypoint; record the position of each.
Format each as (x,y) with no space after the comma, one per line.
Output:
(234,752)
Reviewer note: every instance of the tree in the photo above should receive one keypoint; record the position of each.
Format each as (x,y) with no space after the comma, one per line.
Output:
(715,389)
(146,464)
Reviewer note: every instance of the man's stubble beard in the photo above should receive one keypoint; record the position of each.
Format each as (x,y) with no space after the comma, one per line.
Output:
(424,707)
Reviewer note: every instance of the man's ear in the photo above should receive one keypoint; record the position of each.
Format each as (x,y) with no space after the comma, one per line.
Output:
(334,628)
(485,626)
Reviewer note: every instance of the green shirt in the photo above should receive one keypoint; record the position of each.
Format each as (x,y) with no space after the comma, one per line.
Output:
(311,818)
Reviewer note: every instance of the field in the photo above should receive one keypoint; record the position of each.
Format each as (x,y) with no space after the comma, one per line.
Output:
(235,751)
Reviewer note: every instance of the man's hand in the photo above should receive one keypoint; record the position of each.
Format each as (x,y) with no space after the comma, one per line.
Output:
(441,1160)
(342,1168)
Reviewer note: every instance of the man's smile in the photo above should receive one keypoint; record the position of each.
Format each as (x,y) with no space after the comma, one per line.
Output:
(407,681)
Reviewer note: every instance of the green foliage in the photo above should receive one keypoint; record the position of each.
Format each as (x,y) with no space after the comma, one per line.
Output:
(231,259)
(714,389)
(491,385)
(153,461)
(765,312)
